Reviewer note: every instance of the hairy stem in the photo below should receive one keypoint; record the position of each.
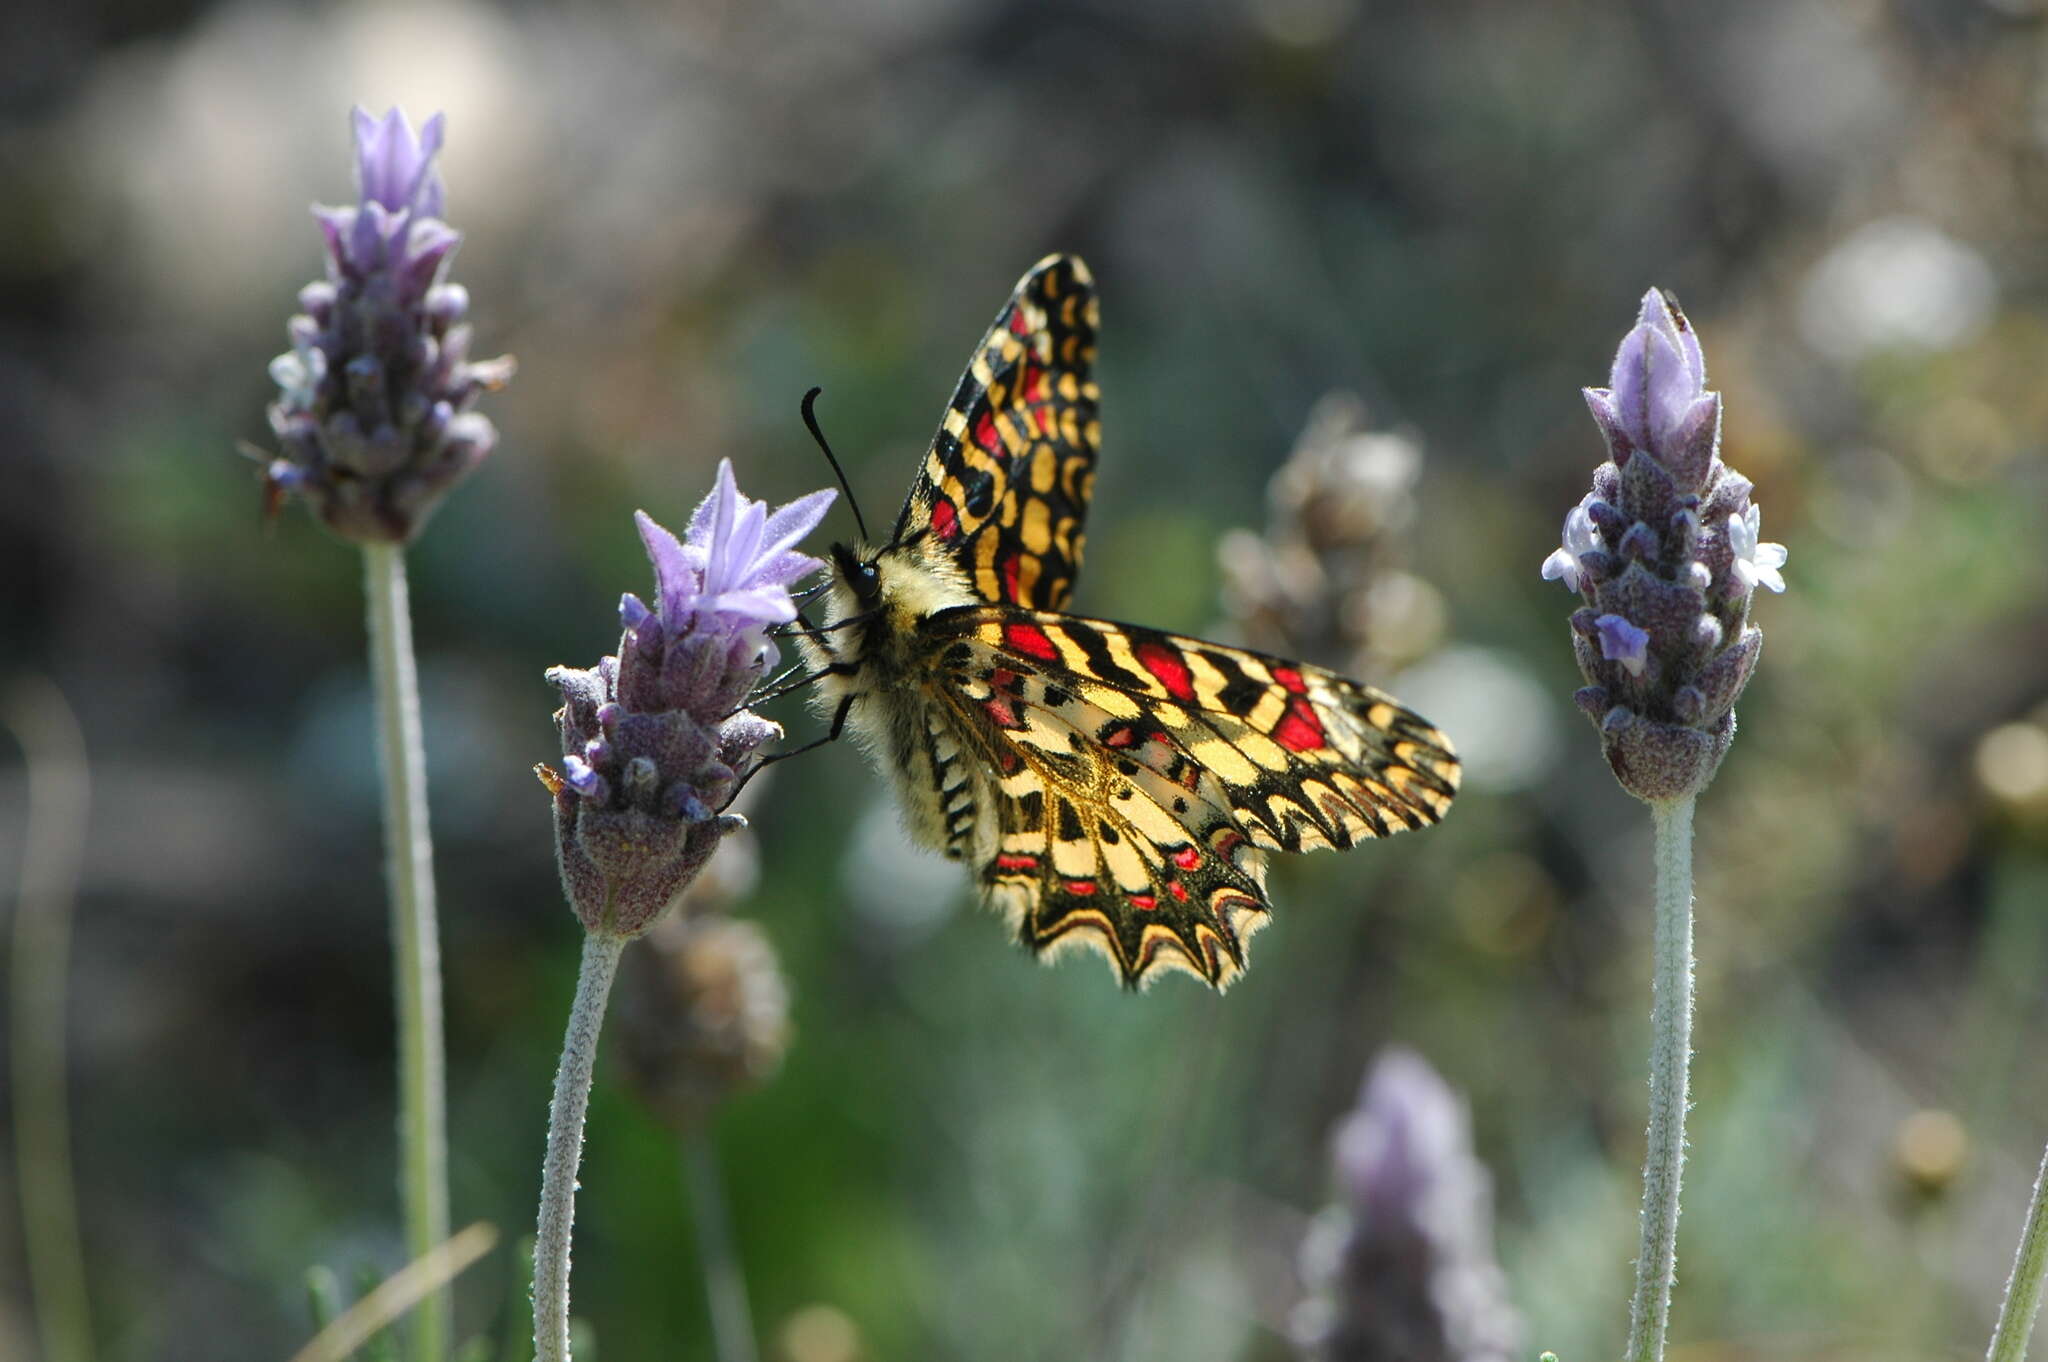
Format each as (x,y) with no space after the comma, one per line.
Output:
(1670,1058)
(59,795)
(2023,1288)
(565,1147)
(409,872)
(725,1284)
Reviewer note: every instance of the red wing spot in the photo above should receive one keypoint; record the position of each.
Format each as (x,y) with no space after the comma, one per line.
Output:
(945,520)
(1031,641)
(1010,577)
(1187,858)
(1166,664)
(1145,901)
(1009,862)
(985,434)
(999,709)
(1226,841)
(1009,762)
(1019,325)
(1080,889)
(1032,389)
(1003,679)
(1120,737)
(1291,680)
(1178,890)
(1300,730)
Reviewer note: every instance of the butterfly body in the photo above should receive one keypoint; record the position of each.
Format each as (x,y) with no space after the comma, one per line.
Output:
(1106,784)
(890,700)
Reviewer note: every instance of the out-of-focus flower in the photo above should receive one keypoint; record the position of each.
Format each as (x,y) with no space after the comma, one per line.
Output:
(373,415)
(1666,553)
(655,739)
(1897,283)
(1328,579)
(1403,1265)
(703,1014)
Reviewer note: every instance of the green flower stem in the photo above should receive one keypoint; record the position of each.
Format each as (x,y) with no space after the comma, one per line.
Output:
(59,795)
(732,1324)
(1670,1058)
(409,871)
(2023,1288)
(565,1147)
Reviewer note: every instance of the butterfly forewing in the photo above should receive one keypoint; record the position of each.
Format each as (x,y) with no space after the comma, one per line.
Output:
(1005,485)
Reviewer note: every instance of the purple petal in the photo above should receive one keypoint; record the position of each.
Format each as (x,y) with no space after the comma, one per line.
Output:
(792,522)
(1687,340)
(1629,385)
(385,158)
(785,568)
(370,229)
(725,509)
(763,605)
(1672,388)
(338,226)
(1622,642)
(427,195)
(717,504)
(742,546)
(580,777)
(676,573)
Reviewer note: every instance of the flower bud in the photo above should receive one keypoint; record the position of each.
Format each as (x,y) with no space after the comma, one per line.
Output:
(372,415)
(1665,551)
(703,1014)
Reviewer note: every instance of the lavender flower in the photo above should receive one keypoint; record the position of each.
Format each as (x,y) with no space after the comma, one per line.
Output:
(655,739)
(1405,1265)
(1665,551)
(373,409)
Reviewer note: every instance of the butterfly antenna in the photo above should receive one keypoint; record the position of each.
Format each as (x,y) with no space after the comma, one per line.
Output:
(811,421)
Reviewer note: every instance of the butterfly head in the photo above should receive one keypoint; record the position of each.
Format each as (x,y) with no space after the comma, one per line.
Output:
(858,574)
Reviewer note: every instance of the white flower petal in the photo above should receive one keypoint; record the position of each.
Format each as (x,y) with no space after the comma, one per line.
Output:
(1563,566)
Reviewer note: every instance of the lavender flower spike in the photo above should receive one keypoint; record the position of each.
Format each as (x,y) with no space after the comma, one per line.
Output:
(655,740)
(1666,552)
(1404,1265)
(373,414)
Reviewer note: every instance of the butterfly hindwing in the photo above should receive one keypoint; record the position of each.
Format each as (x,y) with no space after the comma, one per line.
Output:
(1142,775)
(1005,485)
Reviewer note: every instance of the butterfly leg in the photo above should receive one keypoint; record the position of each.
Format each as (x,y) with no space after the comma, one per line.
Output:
(838,727)
(779,687)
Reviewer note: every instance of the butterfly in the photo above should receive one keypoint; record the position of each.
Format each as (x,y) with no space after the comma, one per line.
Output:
(1106,784)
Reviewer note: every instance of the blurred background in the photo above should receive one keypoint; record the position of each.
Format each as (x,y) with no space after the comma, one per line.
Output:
(1390,239)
